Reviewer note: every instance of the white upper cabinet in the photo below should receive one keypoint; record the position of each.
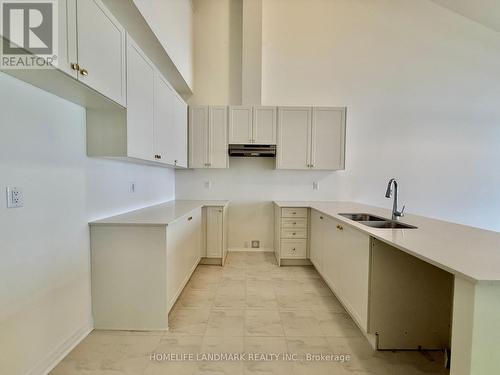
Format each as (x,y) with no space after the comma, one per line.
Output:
(180,135)
(240,125)
(217,148)
(311,138)
(198,136)
(252,125)
(153,127)
(294,132)
(208,137)
(101,50)
(140,111)
(164,127)
(328,138)
(264,125)
(67,52)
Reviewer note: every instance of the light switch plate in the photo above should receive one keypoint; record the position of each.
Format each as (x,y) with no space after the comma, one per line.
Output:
(15,197)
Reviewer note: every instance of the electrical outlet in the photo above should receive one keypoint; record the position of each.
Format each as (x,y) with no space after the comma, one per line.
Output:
(14,197)
(208,184)
(255,244)
(315,185)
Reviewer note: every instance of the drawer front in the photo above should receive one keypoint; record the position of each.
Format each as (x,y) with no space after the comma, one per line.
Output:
(294,212)
(294,222)
(293,249)
(294,233)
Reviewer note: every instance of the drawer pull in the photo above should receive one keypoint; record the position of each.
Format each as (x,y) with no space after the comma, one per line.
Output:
(190,218)
(294,233)
(293,249)
(340,227)
(294,223)
(321,217)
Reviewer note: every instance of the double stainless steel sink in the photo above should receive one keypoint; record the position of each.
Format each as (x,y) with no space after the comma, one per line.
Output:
(377,221)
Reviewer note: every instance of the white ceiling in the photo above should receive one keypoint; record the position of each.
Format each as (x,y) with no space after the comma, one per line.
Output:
(486,12)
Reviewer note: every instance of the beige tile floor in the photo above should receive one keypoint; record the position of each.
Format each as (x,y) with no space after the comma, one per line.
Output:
(249,306)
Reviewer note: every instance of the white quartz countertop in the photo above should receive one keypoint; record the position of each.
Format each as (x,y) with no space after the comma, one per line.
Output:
(160,214)
(465,251)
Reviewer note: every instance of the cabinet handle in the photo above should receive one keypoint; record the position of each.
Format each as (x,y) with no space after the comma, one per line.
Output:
(294,223)
(190,218)
(75,66)
(340,227)
(293,249)
(321,217)
(294,213)
(294,233)
(84,72)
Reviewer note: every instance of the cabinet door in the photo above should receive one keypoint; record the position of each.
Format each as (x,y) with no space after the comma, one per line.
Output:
(240,125)
(354,272)
(214,232)
(180,132)
(294,138)
(198,136)
(217,144)
(140,110)
(264,125)
(164,136)
(317,240)
(331,248)
(328,138)
(101,50)
(67,53)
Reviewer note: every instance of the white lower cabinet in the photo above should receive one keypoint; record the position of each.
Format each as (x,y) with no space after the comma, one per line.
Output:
(183,253)
(342,256)
(291,234)
(216,235)
(139,271)
(317,240)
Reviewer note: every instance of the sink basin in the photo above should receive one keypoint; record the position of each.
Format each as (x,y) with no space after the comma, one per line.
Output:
(376,221)
(389,224)
(363,217)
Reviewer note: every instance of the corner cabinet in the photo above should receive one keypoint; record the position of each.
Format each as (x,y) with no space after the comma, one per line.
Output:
(208,147)
(311,138)
(252,125)
(153,127)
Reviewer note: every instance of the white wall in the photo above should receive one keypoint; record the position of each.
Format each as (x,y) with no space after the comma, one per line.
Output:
(44,246)
(251,184)
(172,23)
(422,90)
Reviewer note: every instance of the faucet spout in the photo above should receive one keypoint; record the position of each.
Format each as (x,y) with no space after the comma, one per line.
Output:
(396,214)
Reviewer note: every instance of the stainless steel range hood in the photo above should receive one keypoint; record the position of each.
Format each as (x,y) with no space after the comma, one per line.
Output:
(262,151)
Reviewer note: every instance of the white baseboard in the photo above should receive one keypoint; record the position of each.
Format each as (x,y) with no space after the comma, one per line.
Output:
(57,355)
(249,249)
